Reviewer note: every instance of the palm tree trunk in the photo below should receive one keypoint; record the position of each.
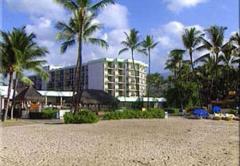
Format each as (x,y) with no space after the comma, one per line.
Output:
(79,86)
(191,59)
(78,77)
(14,94)
(195,77)
(149,71)
(8,95)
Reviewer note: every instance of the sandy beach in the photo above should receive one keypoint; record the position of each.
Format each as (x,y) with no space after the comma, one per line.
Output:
(173,141)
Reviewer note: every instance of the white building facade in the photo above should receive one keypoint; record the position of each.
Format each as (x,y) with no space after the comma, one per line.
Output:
(115,76)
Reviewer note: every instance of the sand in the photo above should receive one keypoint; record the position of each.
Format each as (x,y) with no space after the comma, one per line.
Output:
(173,141)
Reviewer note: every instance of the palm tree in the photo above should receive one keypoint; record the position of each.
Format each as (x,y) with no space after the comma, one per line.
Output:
(27,55)
(20,53)
(214,45)
(79,29)
(132,44)
(149,44)
(206,73)
(7,61)
(175,61)
(191,39)
(178,67)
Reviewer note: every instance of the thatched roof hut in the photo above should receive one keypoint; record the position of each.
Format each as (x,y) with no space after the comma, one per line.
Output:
(98,97)
(29,94)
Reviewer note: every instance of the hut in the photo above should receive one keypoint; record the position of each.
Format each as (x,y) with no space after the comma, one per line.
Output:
(91,98)
(29,99)
(98,98)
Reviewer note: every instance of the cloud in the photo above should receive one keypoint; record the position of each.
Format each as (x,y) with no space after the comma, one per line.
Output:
(38,8)
(174,27)
(114,16)
(178,5)
(44,14)
(169,37)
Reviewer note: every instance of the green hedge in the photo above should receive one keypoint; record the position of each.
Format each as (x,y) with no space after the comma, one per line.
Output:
(47,113)
(80,117)
(232,111)
(135,114)
(174,111)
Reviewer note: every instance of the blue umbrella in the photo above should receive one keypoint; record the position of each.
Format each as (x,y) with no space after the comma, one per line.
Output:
(216,109)
(200,113)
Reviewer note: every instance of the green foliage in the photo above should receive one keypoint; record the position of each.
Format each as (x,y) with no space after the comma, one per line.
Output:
(232,111)
(135,114)
(156,84)
(80,117)
(49,113)
(174,111)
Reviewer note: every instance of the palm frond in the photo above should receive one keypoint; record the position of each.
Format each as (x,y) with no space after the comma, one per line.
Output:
(65,45)
(68,4)
(101,4)
(122,51)
(99,42)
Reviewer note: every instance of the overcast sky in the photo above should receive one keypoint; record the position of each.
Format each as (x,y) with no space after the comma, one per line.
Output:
(164,19)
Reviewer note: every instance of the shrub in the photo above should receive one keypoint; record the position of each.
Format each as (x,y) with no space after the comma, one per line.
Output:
(36,115)
(174,111)
(47,113)
(134,114)
(80,117)
(235,112)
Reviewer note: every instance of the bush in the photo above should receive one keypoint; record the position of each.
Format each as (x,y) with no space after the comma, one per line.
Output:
(36,115)
(80,117)
(174,111)
(234,112)
(134,114)
(47,113)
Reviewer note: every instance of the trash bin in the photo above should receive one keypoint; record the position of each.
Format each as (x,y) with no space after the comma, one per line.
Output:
(166,115)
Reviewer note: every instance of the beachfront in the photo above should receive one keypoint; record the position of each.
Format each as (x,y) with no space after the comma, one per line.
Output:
(173,141)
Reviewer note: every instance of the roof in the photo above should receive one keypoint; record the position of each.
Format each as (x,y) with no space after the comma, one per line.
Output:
(29,93)
(90,96)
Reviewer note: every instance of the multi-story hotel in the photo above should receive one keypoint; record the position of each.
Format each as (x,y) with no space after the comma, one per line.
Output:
(115,76)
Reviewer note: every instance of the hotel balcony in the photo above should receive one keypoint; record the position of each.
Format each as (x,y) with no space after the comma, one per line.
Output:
(120,72)
(110,65)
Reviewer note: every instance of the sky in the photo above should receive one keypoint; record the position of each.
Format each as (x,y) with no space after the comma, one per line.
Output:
(165,20)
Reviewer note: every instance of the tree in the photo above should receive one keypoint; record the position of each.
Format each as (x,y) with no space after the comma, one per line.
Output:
(80,29)
(149,44)
(156,84)
(7,62)
(20,53)
(132,44)
(175,61)
(214,45)
(191,39)
(27,54)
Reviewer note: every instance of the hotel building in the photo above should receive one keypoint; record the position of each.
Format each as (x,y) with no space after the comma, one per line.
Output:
(115,76)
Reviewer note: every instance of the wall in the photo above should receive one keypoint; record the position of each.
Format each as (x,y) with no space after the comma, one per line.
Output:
(96,76)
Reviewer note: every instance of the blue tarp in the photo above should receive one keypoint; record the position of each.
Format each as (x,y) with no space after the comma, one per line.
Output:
(200,113)
(216,109)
